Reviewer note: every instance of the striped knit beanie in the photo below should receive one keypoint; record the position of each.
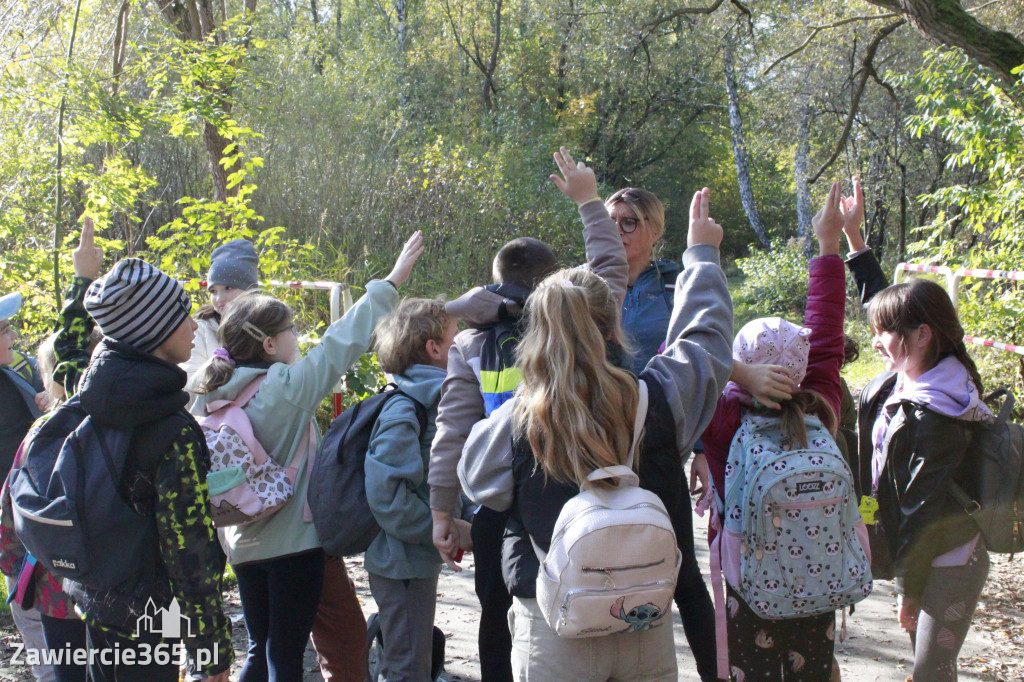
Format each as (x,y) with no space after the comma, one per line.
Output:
(137,304)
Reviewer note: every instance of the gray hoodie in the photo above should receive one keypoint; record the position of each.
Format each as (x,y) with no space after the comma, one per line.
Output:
(462,403)
(691,373)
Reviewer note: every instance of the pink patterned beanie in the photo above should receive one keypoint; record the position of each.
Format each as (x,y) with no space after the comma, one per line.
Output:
(774,341)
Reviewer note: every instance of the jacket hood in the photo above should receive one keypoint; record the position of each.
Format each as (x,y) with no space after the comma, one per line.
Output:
(422,382)
(482,306)
(669,269)
(124,386)
(947,388)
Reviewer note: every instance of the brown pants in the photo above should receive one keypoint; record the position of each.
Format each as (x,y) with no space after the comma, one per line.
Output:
(339,631)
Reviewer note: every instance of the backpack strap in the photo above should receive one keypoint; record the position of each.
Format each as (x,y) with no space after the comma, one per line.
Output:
(230,413)
(625,471)
(27,390)
(970,505)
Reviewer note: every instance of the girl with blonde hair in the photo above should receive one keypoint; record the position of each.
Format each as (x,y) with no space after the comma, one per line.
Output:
(574,412)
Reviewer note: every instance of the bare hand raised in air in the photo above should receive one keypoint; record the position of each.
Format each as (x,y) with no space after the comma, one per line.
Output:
(703,228)
(577,181)
(852,209)
(403,264)
(87,258)
(828,222)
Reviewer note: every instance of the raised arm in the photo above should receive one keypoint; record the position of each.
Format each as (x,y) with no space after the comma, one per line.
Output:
(606,256)
(867,273)
(71,345)
(826,304)
(308,381)
(696,364)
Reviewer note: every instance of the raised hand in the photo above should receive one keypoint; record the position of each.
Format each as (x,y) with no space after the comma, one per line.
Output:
(703,228)
(852,209)
(403,264)
(828,222)
(577,181)
(87,258)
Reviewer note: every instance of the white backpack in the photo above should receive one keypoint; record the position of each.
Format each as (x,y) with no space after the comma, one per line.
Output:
(613,561)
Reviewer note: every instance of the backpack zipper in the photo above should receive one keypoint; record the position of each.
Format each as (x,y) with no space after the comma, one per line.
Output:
(635,567)
(598,507)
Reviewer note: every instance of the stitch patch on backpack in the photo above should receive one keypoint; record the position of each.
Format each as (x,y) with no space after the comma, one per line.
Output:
(794,543)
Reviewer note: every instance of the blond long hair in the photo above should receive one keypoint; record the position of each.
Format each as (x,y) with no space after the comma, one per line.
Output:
(575,407)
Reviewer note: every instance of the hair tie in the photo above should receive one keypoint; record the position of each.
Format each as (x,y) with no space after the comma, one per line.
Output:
(567,283)
(223,354)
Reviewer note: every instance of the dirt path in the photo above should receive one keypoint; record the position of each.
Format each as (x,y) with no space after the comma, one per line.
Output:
(875,648)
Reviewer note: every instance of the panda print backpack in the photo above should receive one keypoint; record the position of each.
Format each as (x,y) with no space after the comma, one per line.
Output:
(794,544)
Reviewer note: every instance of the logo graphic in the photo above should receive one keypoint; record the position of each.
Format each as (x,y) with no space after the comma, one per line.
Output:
(65,564)
(164,622)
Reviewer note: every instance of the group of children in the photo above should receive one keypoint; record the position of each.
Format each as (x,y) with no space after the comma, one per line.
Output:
(539,389)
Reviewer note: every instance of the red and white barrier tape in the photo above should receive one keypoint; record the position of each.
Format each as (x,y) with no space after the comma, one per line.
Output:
(1009,347)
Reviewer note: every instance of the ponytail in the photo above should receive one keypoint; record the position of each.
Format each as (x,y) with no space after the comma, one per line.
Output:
(247,320)
(792,416)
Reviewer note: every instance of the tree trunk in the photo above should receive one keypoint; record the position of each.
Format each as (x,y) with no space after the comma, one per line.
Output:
(947,23)
(739,151)
(194,20)
(803,189)
(215,144)
(563,59)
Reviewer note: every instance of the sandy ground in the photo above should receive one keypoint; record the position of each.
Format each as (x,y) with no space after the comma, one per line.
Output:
(875,648)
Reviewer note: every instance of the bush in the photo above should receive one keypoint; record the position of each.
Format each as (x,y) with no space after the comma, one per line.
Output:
(775,284)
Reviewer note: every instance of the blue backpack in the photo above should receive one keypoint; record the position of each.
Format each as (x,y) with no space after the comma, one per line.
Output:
(71,508)
(794,543)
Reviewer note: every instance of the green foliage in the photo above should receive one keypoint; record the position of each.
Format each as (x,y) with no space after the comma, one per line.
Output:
(978,221)
(775,284)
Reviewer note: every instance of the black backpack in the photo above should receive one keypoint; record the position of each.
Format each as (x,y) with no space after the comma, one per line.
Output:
(999,506)
(71,508)
(375,650)
(337,484)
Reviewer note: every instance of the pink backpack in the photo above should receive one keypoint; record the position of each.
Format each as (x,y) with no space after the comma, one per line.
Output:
(245,484)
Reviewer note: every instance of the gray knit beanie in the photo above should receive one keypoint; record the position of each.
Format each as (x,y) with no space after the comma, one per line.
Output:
(234,265)
(137,304)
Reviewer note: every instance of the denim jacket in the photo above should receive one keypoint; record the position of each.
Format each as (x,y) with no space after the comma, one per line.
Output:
(646,310)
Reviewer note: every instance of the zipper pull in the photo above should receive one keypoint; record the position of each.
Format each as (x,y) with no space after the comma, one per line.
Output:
(776,517)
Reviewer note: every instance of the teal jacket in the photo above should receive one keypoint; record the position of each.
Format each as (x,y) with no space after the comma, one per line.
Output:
(396,480)
(282,413)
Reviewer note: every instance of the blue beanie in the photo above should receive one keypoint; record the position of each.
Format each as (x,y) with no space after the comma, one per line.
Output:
(234,265)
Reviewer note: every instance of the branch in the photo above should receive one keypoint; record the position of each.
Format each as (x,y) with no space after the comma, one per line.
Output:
(981,7)
(683,11)
(865,72)
(819,29)
(875,77)
(947,23)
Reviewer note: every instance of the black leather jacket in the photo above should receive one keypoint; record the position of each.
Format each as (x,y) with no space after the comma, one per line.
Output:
(917,516)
